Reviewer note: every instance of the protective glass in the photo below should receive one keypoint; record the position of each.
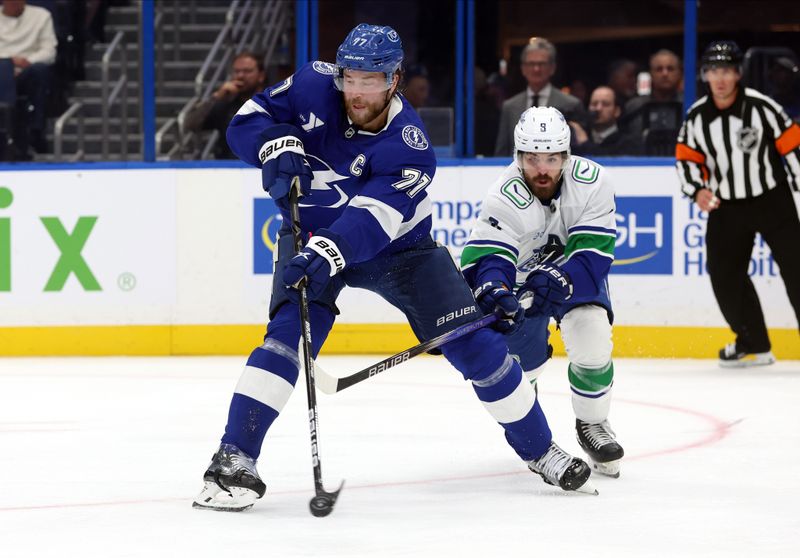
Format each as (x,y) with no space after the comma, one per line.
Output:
(535,163)
(357,81)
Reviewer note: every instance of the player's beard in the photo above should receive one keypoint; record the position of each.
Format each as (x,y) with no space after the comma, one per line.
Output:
(543,186)
(368,111)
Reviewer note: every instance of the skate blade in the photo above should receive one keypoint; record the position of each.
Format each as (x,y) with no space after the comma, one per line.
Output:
(747,362)
(214,498)
(609,469)
(587,488)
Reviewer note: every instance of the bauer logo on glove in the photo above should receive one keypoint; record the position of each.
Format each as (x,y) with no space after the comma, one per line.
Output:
(272,149)
(547,287)
(322,258)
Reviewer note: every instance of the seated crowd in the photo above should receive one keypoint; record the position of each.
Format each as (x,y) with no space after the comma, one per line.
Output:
(618,121)
(41,53)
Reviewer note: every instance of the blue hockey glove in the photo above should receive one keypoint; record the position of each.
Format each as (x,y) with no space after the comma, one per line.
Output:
(495,297)
(549,285)
(324,256)
(282,158)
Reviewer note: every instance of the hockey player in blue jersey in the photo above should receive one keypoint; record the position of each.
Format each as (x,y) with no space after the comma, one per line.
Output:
(363,162)
(546,231)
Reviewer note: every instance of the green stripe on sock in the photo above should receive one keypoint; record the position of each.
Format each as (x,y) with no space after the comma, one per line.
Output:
(591,379)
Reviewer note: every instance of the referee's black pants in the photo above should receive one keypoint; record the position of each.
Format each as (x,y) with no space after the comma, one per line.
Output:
(729,244)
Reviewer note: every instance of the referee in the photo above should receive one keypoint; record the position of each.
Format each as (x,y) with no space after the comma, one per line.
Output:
(737,158)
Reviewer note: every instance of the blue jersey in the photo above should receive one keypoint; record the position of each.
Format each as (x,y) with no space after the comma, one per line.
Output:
(369,188)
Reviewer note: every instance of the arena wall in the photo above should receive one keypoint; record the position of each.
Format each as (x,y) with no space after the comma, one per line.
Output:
(160,261)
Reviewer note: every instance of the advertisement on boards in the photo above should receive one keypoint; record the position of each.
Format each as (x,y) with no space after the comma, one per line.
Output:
(86,247)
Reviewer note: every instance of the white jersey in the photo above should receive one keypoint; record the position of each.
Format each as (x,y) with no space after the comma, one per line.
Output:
(575,230)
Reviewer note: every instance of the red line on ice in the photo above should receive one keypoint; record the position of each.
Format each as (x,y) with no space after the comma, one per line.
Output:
(720,429)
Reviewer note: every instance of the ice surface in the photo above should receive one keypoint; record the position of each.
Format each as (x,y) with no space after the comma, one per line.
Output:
(101,457)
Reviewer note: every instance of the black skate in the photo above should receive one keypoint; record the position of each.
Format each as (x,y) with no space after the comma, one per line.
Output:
(730,356)
(231,481)
(599,443)
(559,468)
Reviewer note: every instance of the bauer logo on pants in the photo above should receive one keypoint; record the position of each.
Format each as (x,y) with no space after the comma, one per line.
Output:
(644,236)
(267,220)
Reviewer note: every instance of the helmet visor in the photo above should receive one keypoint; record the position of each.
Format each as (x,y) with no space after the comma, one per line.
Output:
(361,82)
(541,163)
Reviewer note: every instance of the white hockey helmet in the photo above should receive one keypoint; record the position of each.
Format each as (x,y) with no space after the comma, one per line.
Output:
(542,130)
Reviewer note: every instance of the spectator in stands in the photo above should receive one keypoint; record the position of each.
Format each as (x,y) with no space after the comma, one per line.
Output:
(96,14)
(28,39)
(666,73)
(622,79)
(579,90)
(603,138)
(248,77)
(417,88)
(538,64)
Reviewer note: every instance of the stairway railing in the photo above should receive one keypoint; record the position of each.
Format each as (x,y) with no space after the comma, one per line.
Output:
(58,133)
(110,95)
(249,25)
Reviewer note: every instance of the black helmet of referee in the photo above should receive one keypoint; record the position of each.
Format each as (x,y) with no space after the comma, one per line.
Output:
(721,54)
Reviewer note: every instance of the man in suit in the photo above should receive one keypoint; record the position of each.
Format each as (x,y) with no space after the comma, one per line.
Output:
(603,136)
(538,64)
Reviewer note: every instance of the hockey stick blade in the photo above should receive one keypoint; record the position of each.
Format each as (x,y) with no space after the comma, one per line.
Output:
(330,384)
(322,504)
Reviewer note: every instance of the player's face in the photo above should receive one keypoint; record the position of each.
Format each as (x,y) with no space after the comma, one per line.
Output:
(366,97)
(722,81)
(541,172)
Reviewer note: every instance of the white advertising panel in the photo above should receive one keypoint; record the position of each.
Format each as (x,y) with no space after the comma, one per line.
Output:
(87,247)
(194,247)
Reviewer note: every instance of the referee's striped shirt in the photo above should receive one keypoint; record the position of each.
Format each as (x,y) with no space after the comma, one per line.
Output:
(738,152)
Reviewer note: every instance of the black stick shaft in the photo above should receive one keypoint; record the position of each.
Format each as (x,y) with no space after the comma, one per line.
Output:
(308,360)
(399,358)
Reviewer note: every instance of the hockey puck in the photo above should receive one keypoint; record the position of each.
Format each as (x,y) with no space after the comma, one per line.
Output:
(320,506)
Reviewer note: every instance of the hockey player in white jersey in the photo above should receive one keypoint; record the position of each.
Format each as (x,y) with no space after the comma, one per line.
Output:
(546,233)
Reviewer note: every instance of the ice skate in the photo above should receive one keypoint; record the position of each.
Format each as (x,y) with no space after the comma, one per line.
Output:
(599,443)
(559,468)
(231,481)
(730,357)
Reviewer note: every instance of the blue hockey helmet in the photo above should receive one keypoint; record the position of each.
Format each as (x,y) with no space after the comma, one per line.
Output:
(369,48)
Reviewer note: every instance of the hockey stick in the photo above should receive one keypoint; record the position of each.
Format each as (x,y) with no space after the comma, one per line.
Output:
(321,504)
(329,384)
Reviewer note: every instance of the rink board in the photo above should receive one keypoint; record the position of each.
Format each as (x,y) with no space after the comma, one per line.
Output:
(179,261)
